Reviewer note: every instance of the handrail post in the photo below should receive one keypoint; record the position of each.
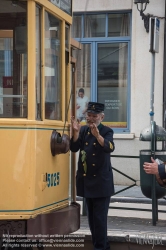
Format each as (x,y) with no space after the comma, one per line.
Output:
(153,149)
(84,207)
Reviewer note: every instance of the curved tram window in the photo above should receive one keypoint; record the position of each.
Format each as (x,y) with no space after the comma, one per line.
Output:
(13,60)
(52,67)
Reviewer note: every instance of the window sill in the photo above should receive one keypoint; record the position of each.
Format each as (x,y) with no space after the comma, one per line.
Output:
(124,136)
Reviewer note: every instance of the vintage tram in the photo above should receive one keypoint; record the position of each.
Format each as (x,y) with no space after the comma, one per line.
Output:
(35,83)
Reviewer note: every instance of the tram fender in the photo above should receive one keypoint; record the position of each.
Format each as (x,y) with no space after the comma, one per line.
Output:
(63,221)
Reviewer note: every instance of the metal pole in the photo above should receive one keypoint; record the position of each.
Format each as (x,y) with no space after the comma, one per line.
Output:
(73,182)
(153,191)
(84,207)
(152,88)
(153,141)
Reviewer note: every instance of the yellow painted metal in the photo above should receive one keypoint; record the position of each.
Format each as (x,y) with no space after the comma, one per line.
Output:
(63,70)
(54,9)
(25,160)
(31,59)
(42,65)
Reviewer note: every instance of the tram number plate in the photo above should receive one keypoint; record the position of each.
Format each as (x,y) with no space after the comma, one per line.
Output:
(53,179)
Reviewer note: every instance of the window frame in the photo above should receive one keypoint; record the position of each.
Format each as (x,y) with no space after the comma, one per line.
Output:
(94,41)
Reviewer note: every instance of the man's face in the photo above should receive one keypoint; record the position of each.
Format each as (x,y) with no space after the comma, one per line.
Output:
(94,118)
(81,94)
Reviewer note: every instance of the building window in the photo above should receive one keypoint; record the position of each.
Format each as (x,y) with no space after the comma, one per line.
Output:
(112,81)
(103,63)
(118,25)
(94,25)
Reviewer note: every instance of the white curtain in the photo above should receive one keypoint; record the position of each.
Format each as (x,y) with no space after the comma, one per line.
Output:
(123,53)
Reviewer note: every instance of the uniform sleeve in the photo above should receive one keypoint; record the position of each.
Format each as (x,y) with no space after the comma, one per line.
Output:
(75,146)
(108,142)
(162,171)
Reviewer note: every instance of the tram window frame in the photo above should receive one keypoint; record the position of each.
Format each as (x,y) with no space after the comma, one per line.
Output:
(38,64)
(67,56)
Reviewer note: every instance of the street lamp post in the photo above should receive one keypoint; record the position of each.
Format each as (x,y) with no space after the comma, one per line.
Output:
(141,7)
(154,32)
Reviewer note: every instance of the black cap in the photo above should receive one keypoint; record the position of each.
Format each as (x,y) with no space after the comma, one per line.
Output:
(95,107)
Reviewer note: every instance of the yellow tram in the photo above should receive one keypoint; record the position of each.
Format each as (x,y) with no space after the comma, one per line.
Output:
(35,83)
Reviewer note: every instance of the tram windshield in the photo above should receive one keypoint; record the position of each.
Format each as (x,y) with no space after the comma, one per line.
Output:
(13,59)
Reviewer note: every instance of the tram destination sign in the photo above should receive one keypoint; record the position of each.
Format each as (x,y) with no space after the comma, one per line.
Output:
(65,5)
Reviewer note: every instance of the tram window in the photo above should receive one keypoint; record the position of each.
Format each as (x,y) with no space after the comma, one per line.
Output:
(67,37)
(13,60)
(52,67)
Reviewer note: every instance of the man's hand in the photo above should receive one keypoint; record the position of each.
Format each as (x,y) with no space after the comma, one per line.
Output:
(151,168)
(76,126)
(94,130)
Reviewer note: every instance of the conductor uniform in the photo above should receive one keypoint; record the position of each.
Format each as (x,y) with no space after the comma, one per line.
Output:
(162,171)
(94,178)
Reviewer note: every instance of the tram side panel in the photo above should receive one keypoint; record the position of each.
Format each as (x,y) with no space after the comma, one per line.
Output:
(52,175)
(32,180)
(17,171)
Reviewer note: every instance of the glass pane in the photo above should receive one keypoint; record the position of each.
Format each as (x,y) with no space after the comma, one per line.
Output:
(94,25)
(52,67)
(83,68)
(65,5)
(67,37)
(76,28)
(118,25)
(38,65)
(13,60)
(112,65)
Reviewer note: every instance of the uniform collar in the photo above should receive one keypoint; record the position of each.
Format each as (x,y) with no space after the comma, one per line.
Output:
(100,126)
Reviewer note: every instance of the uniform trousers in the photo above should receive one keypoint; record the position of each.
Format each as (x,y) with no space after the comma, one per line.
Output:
(97,211)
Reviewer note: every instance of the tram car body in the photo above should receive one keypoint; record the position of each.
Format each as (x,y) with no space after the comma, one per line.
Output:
(34,129)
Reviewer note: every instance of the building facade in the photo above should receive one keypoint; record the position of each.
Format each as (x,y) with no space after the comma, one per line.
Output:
(115,67)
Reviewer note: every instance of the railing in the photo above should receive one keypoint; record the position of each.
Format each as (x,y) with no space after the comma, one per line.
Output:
(124,189)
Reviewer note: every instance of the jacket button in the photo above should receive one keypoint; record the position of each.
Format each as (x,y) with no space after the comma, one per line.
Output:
(93,154)
(86,143)
(88,133)
(93,164)
(84,174)
(94,175)
(94,143)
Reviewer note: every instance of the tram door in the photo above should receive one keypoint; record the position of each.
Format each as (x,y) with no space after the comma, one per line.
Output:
(75,46)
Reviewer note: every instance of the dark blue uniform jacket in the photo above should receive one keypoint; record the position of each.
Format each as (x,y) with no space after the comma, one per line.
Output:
(162,171)
(98,180)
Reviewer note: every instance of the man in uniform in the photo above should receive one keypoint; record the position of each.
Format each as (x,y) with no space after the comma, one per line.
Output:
(94,179)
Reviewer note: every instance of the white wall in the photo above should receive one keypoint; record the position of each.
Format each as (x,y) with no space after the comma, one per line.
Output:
(101,5)
(129,144)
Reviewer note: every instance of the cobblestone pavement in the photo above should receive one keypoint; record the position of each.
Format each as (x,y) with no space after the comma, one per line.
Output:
(129,226)
(125,229)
